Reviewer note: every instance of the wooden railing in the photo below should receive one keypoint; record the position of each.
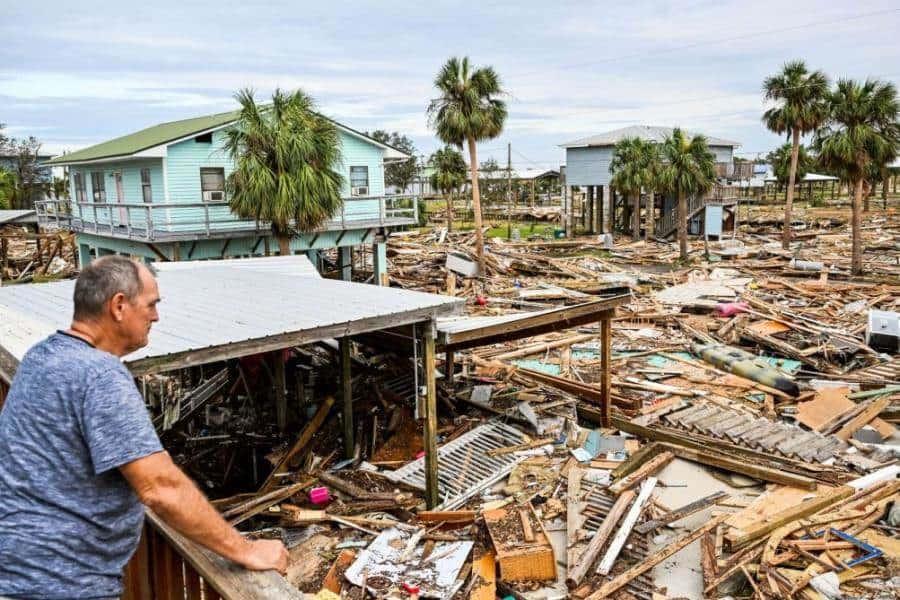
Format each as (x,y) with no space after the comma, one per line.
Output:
(189,220)
(167,566)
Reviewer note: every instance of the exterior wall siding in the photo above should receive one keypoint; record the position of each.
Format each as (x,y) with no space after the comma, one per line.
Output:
(132,191)
(590,166)
(185,159)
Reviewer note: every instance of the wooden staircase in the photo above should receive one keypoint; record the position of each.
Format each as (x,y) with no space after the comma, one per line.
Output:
(668,223)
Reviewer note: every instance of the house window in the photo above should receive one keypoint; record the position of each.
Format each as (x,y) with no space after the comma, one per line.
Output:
(98,186)
(146,188)
(80,192)
(212,184)
(204,138)
(359,181)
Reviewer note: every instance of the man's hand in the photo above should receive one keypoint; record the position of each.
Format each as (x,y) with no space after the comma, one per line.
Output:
(263,555)
(166,490)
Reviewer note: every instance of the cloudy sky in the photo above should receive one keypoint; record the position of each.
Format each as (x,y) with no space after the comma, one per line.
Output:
(76,73)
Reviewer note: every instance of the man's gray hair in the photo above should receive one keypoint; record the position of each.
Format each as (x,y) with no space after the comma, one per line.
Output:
(102,279)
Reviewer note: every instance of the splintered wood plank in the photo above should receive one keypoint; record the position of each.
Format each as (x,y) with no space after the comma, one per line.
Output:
(773,501)
(484,570)
(829,404)
(332,581)
(574,517)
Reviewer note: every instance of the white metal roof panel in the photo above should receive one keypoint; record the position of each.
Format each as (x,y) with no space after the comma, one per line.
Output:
(295,265)
(646,132)
(214,307)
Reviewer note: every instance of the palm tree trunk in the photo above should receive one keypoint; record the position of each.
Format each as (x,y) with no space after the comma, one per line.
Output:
(284,244)
(636,223)
(789,196)
(867,194)
(476,206)
(651,216)
(682,226)
(856,223)
(449,212)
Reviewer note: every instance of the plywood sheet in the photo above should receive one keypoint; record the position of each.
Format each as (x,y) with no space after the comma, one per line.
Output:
(828,404)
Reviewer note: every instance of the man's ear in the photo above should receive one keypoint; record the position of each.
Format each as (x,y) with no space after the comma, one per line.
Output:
(117,306)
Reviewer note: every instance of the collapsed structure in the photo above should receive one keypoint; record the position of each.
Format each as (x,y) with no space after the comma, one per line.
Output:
(722,429)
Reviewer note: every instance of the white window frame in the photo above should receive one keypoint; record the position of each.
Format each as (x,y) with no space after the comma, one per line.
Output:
(146,186)
(353,186)
(98,192)
(206,194)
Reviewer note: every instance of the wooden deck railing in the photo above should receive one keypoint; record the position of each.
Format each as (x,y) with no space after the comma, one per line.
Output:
(190,220)
(167,566)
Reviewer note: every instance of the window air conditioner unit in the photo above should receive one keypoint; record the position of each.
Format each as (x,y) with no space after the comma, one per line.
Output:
(362,190)
(213,196)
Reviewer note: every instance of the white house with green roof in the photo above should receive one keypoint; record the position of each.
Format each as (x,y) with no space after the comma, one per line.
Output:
(160,194)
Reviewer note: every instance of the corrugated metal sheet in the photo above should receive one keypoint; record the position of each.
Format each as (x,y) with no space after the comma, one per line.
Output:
(297,265)
(214,306)
(17,216)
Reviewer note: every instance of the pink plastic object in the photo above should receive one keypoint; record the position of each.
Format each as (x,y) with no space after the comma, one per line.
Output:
(319,496)
(420,454)
(728,309)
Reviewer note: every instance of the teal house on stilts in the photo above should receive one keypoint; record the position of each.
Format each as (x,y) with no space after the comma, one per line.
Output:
(160,194)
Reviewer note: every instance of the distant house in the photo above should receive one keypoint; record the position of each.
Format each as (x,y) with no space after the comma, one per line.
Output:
(160,194)
(587,167)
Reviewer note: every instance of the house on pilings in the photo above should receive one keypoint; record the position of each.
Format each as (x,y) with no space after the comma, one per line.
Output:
(159,194)
(592,206)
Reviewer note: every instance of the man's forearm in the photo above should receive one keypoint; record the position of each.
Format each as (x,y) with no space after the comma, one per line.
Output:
(184,507)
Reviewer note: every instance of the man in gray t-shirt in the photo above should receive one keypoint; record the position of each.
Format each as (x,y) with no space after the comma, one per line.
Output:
(80,454)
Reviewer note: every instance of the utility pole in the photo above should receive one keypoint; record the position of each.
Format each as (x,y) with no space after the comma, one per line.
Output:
(509,190)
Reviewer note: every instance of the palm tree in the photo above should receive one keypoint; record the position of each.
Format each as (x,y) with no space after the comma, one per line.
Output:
(468,110)
(862,133)
(688,168)
(800,108)
(781,159)
(449,175)
(285,159)
(8,185)
(634,166)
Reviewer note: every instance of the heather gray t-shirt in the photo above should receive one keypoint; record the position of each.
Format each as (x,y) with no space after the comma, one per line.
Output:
(69,521)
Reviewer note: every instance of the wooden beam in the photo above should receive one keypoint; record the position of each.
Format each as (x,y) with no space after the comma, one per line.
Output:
(225,247)
(680,513)
(346,395)
(305,436)
(255,247)
(543,322)
(618,542)
(659,556)
(280,381)
(740,537)
(432,495)
(605,363)
(191,249)
(158,252)
(647,469)
(578,569)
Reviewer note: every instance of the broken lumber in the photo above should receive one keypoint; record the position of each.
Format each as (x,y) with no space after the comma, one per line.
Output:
(484,576)
(650,467)
(628,522)
(680,513)
(739,537)
(611,586)
(305,437)
(869,413)
(446,516)
(577,570)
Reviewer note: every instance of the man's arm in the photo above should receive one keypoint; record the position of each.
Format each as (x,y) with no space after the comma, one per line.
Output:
(168,492)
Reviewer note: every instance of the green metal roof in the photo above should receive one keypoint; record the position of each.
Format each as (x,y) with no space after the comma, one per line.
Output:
(146,138)
(164,133)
